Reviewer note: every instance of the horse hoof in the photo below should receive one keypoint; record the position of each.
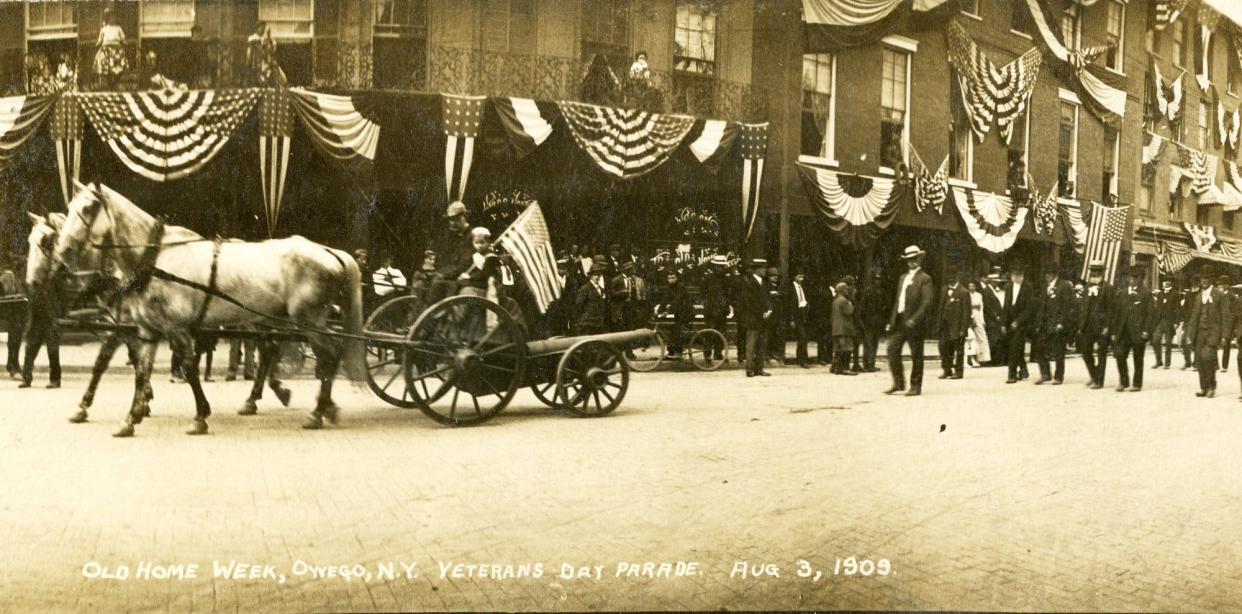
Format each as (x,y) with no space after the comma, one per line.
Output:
(248,409)
(125,431)
(314,424)
(331,412)
(283,394)
(199,428)
(146,412)
(78,418)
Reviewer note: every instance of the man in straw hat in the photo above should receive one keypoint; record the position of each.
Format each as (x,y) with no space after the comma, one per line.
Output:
(753,313)
(915,293)
(716,290)
(1207,327)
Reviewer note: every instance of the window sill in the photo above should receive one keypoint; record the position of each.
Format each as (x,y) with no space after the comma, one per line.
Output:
(1021,33)
(818,161)
(972,16)
(963,183)
(888,172)
(1115,71)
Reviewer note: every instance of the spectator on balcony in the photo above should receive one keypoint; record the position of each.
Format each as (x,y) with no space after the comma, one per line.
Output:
(261,58)
(639,71)
(110,59)
(156,79)
(66,74)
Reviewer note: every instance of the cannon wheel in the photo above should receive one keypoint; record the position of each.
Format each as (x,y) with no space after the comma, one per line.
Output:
(546,393)
(699,351)
(648,353)
(592,378)
(385,360)
(464,360)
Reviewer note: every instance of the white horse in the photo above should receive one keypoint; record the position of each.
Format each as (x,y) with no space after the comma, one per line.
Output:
(173,288)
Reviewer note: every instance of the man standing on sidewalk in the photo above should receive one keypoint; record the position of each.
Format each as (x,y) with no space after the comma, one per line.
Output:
(954,321)
(872,306)
(753,313)
(799,308)
(1132,324)
(915,293)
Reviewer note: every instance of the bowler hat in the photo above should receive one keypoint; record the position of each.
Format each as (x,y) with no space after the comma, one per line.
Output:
(1224,279)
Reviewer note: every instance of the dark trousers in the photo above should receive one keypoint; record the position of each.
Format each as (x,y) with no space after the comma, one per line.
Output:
(1163,340)
(1188,351)
(1016,353)
(1094,348)
(801,333)
(239,359)
(1122,352)
(755,350)
(1206,355)
(900,337)
(718,322)
(41,331)
(677,337)
(1224,358)
(1049,350)
(825,350)
(999,345)
(741,343)
(15,327)
(871,345)
(952,355)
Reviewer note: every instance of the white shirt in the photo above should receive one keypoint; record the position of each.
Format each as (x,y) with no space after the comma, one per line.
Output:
(1206,296)
(1017,288)
(801,296)
(901,296)
(387,279)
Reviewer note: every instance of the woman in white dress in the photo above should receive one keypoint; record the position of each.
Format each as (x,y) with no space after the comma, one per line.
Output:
(978,351)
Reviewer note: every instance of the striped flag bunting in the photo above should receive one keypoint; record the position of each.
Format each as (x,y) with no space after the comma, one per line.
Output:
(830,25)
(1168,96)
(716,138)
(930,191)
(626,142)
(337,128)
(19,117)
(1203,236)
(167,134)
(1208,17)
(855,199)
(1165,12)
(275,135)
(528,242)
(1153,148)
(1171,257)
(1075,225)
(992,220)
(991,94)
(1231,188)
(523,121)
(1199,167)
(1105,234)
(1045,211)
(1230,250)
(461,119)
(753,147)
(1102,91)
(67,127)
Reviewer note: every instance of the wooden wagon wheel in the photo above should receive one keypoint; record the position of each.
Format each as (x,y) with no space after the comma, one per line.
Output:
(541,371)
(463,360)
(699,350)
(648,353)
(386,330)
(592,378)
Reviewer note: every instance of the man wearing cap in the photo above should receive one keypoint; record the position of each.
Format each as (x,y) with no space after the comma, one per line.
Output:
(716,300)
(753,313)
(954,321)
(1166,302)
(798,306)
(1206,328)
(915,293)
(1131,325)
(1052,327)
(1093,340)
(1021,305)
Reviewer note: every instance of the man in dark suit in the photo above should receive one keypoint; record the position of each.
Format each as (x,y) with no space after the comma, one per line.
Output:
(621,296)
(591,305)
(1166,302)
(822,297)
(1053,326)
(753,312)
(1132,323)
(1237,323)
(954,322)
(994,316)
(1222,283)
(1206,326)
(1093,324)
(873,307)
(716,293)
(915,293)
(798,306)
(1188,345)
(844,330)
(775,335)
(1021,306)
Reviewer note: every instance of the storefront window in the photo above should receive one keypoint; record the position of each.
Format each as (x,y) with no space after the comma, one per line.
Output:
(694,48)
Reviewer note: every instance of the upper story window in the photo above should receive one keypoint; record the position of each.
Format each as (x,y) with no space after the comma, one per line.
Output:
(1112,154)
(1020,18)
(1203,125)
(1232,69)
(1067,149)
(894,103)
(52,19)
(1115,35)
(1181,51)
(509,26)
(818,108)
(400,44)
(606,33)
(1019,150)
(970,7)
(695,42)
(1071,26)
(400,18)
(288,19)
(166,18)
(961,139)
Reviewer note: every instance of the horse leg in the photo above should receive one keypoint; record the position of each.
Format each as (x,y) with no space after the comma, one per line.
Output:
(326,359)
(143,363)
(272,376)
(106,350)
(134,348)
(250,407)
(189,369)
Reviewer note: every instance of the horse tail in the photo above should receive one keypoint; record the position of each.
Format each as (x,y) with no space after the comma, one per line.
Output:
(353,356)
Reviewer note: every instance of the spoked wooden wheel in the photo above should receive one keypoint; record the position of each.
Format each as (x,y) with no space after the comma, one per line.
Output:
(463,360)
(542,371)
(386,330)
(649,353)
(546,393)
(702,344)
(592,378)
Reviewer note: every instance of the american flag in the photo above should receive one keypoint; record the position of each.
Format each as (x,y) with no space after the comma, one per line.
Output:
(66,128)
(1104,236)
(528,242)
(1172,258)
(275,135)
(462,116)
(753,146)
(19,117)
(625,142)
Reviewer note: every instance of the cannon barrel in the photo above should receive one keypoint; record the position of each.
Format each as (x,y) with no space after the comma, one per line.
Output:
(560,345)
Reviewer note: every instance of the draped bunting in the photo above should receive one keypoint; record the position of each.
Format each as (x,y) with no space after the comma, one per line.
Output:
(830,25)
(1230,250)
(1165,12)
(990,93)
(1075,223)
(1168,97)
(275,137)
(1204,237)
(1199,167)
(1171,257)
(336,126)
(931,191)
(625,142)
(993,221)
(1231,189)
(1203,42)
(67,128)
(461,118)
(753,148)
(1045,209)
(1103,92)
(167,134)
(524,122)
(1153,148)
(716,138)
(19,117)
(1231,135)
(845,201)
(1220,133)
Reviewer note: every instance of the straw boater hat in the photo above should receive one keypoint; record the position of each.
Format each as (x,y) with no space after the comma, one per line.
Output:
(455,208)
(911,251)
(758,263)
(720,260)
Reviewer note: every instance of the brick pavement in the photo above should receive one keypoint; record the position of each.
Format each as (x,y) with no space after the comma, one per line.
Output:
(1056,498)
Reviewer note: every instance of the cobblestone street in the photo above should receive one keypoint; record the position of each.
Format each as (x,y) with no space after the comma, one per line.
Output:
(979,495)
